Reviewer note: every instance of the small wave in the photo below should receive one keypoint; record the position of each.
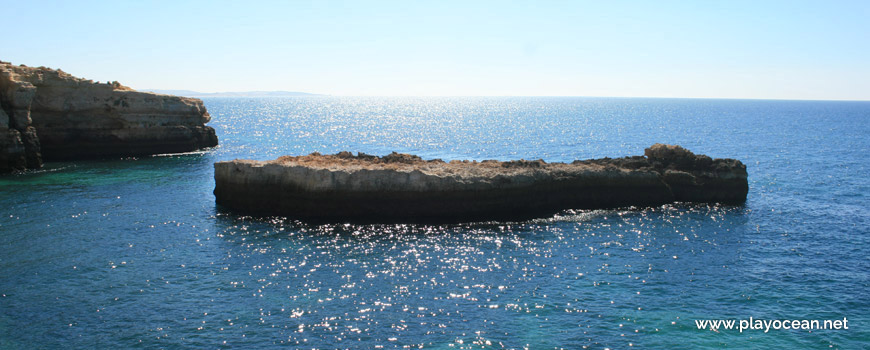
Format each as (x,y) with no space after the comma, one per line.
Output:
(197,152)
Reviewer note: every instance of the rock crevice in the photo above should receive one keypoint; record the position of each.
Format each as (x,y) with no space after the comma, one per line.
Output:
(405,188)
(52,115)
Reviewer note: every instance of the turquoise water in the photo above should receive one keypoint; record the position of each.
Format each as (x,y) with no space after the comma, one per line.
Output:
(133,253)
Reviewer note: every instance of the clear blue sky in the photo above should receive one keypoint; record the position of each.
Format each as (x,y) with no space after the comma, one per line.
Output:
(727,49)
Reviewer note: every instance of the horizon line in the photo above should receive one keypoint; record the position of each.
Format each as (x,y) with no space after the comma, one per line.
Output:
(314,94)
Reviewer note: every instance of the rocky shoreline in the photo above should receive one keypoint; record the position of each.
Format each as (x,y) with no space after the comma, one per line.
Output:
(48,114)
(405,188)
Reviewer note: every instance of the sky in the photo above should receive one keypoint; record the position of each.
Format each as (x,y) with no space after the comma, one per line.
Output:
(694,49)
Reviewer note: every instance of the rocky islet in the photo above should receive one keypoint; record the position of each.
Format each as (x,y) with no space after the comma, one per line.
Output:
(405,188)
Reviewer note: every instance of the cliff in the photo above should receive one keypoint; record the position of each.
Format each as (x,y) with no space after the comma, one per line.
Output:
(405,188)
(52,115)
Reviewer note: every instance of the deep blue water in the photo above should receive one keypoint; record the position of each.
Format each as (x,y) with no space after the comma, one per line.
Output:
(133,253)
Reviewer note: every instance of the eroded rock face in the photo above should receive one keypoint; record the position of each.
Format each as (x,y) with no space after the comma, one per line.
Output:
(699,178)
(58,116)
(405,188)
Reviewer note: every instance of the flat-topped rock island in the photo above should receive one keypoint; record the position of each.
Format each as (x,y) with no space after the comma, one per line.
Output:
(49,114)
(405,188)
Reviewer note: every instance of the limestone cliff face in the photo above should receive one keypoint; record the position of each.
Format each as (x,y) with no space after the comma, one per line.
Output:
(405,188)
(49,114)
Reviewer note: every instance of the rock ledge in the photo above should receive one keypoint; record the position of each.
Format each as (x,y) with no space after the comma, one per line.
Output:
(406,188)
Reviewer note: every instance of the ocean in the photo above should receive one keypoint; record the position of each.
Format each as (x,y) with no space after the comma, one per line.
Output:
(134,253)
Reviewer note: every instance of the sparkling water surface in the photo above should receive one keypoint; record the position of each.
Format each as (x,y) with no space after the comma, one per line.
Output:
(133,253)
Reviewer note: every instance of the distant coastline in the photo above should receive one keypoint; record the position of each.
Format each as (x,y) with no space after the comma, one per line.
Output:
(190,93)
